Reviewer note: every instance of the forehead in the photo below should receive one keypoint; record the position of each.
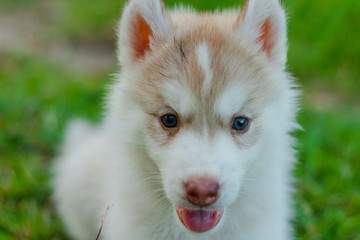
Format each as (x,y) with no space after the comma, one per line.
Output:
(198,68)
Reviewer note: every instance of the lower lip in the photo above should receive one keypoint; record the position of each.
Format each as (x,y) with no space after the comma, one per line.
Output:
(199,220)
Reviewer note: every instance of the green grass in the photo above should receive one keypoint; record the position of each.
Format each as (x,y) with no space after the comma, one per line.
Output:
(328,200)
(39,96)
(36,101)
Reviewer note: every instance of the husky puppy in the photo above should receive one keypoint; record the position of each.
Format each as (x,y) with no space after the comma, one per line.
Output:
(195,141)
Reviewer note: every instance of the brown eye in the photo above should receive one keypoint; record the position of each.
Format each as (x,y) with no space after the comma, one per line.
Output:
(169,121)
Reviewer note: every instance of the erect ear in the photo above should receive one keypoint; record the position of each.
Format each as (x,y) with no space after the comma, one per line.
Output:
(143,23)
(263,23)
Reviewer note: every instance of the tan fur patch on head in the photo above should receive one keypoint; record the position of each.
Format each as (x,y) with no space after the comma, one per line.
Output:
(242,14)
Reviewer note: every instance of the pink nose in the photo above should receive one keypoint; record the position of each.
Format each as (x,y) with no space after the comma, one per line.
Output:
(201,191)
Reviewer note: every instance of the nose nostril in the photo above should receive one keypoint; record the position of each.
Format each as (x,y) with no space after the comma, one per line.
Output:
(194,200)
(201,191)
(210,199)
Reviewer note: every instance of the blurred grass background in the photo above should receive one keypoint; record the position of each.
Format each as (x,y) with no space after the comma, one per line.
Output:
(56,57)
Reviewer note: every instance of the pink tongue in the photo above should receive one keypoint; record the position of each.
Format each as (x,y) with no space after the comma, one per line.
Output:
(199,220)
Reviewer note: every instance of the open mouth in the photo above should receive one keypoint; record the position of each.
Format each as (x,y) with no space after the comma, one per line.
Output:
(199,220)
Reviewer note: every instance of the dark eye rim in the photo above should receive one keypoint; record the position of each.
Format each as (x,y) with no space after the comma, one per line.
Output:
(240,131)
(169,127)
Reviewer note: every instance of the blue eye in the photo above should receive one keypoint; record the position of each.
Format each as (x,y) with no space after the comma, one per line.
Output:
(240,124)
(169,121)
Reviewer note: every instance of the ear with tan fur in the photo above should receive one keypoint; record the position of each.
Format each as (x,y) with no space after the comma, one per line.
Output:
(263,23)
(143,23)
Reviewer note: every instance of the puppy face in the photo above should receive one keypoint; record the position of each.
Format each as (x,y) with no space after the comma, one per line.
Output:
(204,84)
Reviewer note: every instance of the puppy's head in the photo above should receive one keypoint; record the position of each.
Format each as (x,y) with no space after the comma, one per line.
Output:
(209,90)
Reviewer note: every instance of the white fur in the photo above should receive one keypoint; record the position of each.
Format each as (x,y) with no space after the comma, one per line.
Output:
(204,61)
(120,164)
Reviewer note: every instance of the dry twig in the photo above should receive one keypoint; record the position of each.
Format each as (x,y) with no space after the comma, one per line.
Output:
(102,221)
